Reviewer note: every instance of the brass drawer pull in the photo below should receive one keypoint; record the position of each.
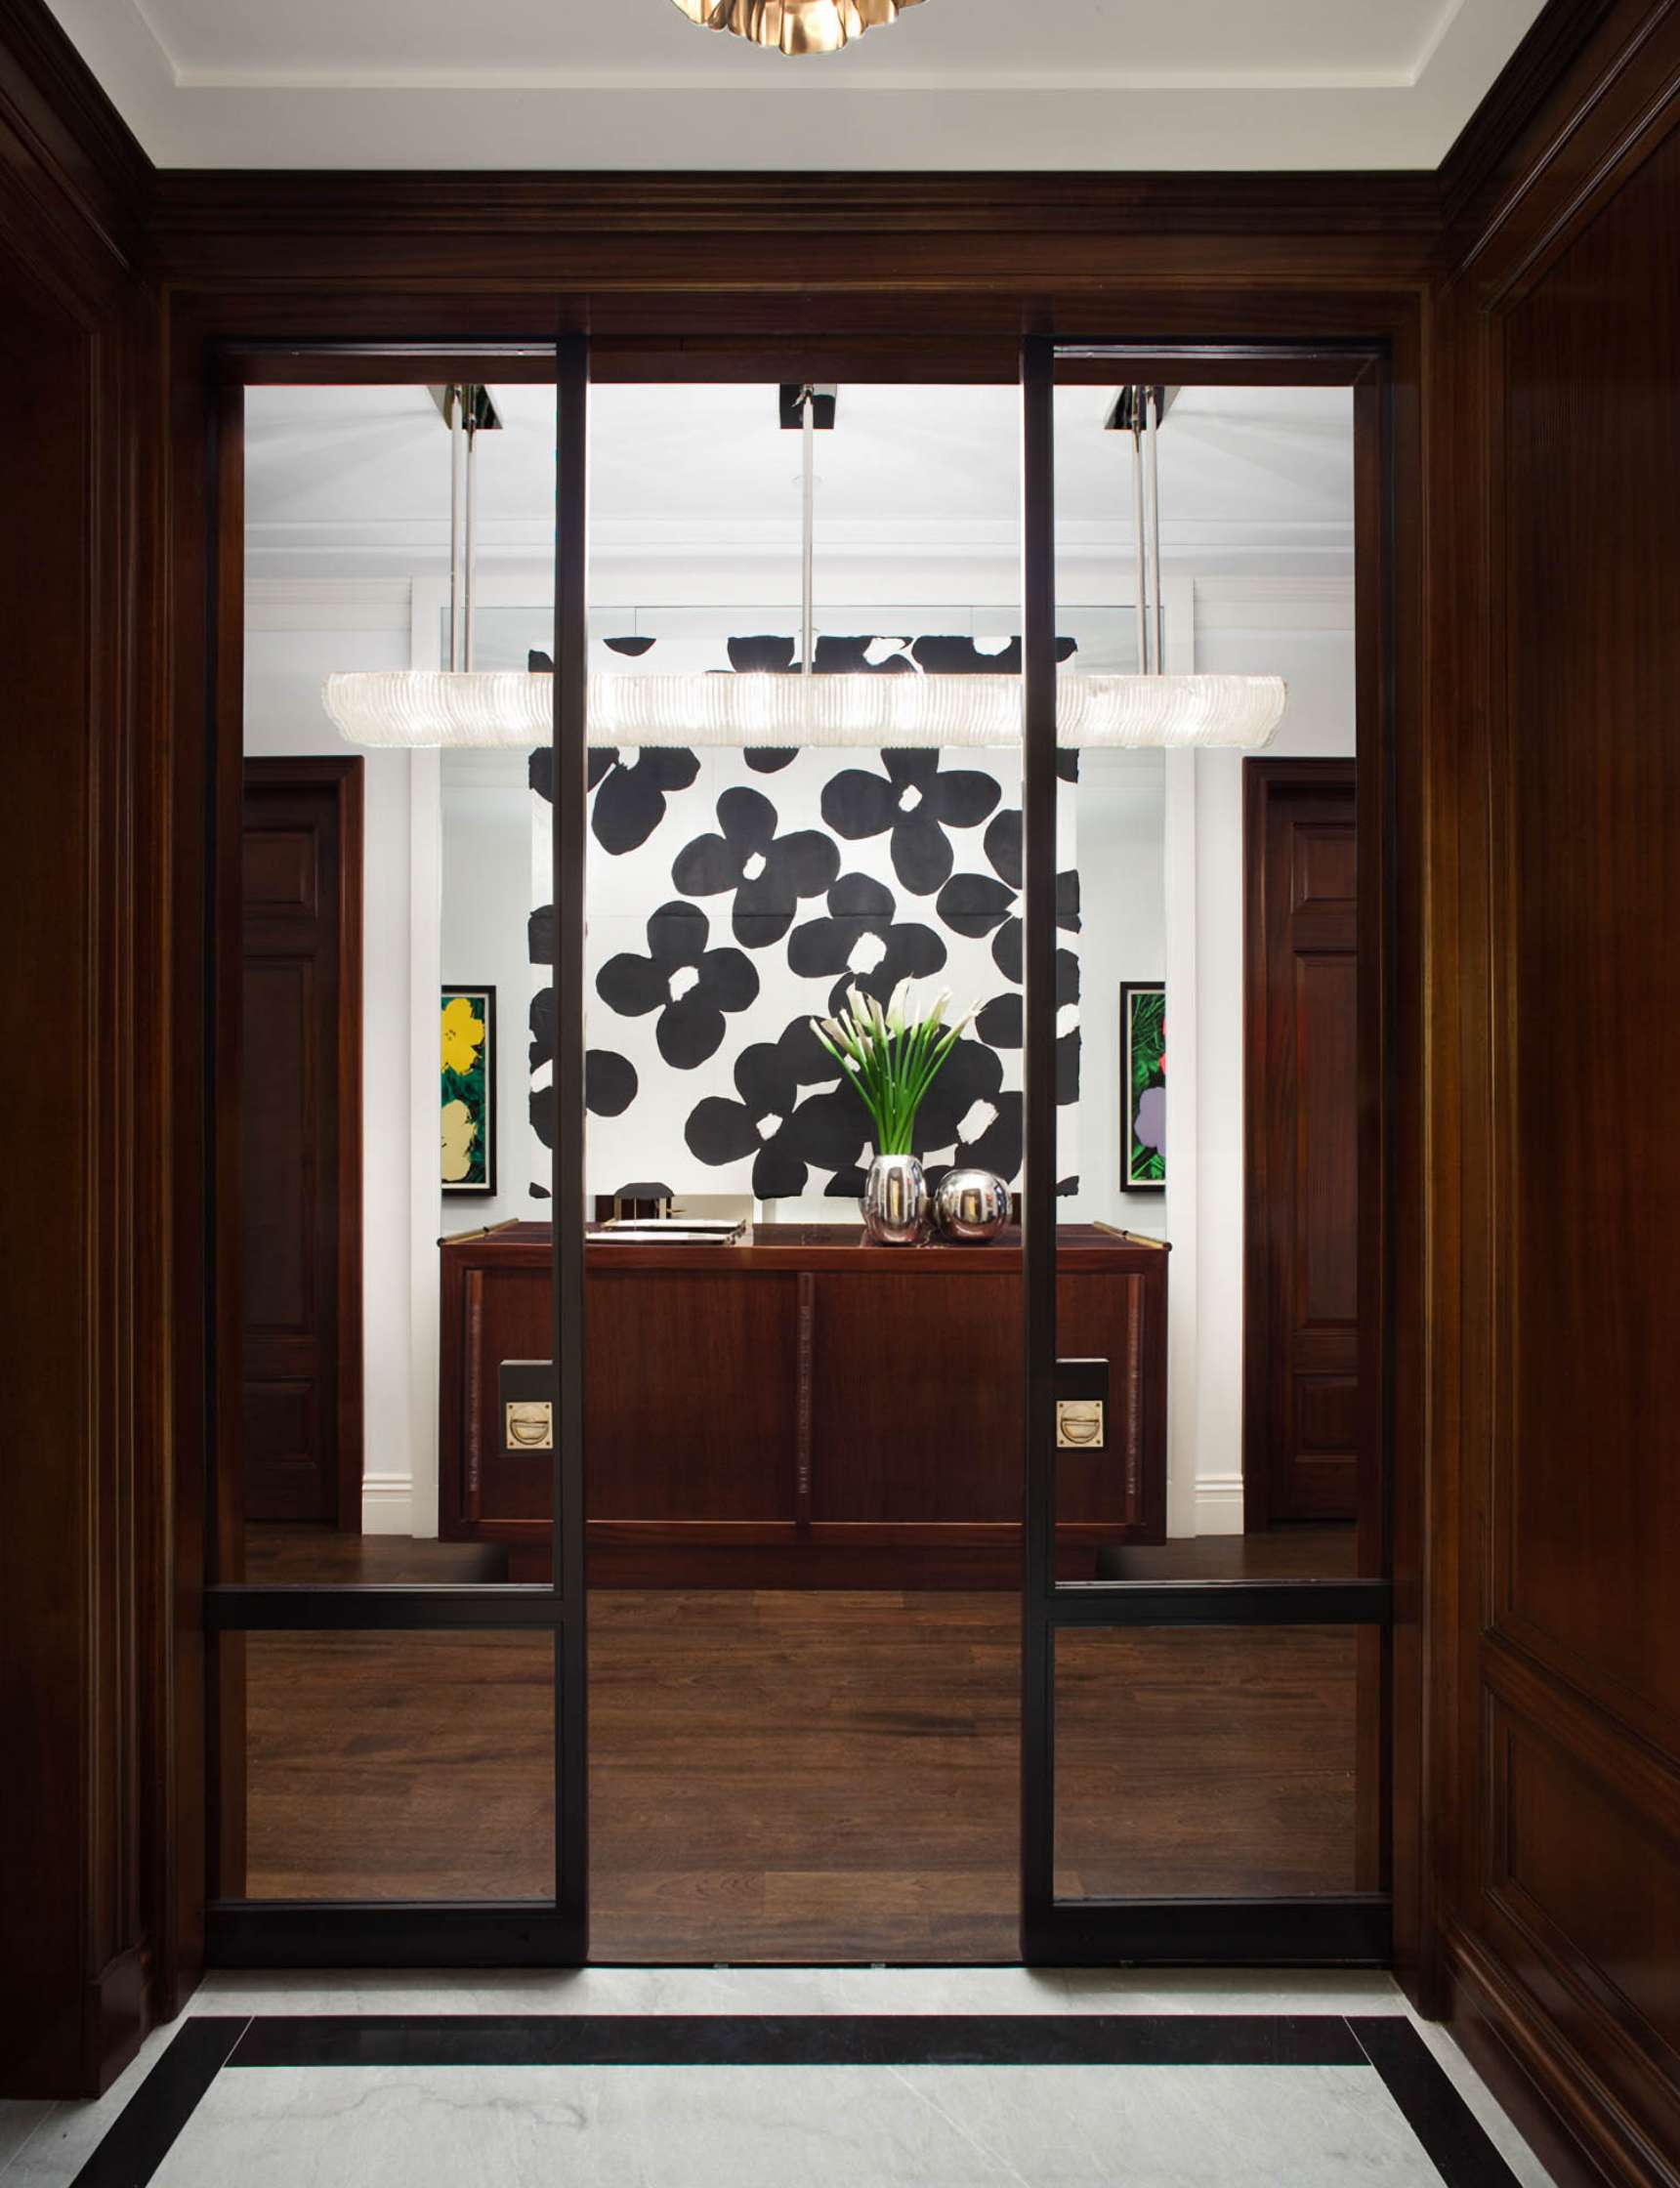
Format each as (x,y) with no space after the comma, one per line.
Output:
(530,1424)
(1080,1423)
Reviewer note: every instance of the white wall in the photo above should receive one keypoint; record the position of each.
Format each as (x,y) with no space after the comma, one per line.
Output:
(1121,801)
(487,821)
(295,637)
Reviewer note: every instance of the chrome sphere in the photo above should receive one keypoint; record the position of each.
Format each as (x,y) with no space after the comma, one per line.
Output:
(971,1206)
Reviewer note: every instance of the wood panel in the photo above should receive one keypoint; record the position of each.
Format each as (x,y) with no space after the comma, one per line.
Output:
(1586,1554)
(399,1766)
(892,1831)
(1302,1415)
(1583,1504)
(1558,1761)
(1264,1719)
(88,1335)
(300,1276)
(906,1367)
(692,1401)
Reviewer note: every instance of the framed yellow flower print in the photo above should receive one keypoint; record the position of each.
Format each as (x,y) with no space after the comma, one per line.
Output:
(467,1093)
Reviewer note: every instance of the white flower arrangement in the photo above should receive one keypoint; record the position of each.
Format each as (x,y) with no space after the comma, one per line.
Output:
(892,1057)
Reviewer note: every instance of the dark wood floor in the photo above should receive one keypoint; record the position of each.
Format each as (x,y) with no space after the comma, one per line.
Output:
(777,1776)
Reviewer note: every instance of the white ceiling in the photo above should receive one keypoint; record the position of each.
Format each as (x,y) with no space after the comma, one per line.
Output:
(693,487)
(957,84)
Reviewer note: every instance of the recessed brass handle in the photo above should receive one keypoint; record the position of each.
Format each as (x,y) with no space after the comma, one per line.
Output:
(529,1425)
(1080,1423)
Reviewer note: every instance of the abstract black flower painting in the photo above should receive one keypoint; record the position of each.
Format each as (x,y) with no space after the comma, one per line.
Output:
(914,800)
(861,943)
(732,895)
(766,871)
(690,986)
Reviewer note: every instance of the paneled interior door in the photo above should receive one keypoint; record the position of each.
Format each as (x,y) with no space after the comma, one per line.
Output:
(301,1049)
(1301,1335)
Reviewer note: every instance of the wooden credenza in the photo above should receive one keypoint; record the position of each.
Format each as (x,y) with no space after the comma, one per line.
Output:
(803,1410)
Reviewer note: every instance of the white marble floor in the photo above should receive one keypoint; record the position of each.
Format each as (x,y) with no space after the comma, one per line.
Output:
(1059,2126)
(825,2127)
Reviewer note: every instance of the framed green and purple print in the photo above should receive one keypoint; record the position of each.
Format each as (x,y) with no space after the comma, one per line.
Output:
(1143,1083)
(467,1090)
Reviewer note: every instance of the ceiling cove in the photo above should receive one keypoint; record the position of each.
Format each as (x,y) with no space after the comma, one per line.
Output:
(978,85)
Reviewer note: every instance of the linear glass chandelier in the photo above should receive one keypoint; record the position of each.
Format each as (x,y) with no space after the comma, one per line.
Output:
(460,706)
(794,27)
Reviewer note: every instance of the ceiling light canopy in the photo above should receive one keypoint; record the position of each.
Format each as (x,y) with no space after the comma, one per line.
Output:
(795,26)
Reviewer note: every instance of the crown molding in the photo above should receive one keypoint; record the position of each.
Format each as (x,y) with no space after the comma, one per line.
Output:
(1556,38)
(71,150)
(207,202)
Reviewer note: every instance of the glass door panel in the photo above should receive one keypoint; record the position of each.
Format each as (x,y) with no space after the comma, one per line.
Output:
(1203,1705)
(399,1766)
(397,1682)
(1207,1762)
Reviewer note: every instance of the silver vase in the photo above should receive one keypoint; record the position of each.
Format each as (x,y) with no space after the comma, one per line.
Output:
(971,1206)
(895,1200)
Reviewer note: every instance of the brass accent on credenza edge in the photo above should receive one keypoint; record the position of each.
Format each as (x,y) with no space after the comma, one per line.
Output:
(806,1431)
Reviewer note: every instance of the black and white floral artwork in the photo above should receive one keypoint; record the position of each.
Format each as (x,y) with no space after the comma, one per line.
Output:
(734,896)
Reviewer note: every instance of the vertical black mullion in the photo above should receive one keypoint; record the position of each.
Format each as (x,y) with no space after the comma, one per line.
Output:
(566,1180)
(1039,1195)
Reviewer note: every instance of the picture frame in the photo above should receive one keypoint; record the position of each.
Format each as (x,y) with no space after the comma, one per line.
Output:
(1143,1086)
(467,1091)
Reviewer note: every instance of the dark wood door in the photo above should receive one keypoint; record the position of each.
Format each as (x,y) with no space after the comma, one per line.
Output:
(300,1139)
(1301,1339)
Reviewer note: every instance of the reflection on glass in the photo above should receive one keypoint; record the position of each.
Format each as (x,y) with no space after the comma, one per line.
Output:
(394,1766)
(330,1479)
(1178,1056)
(1209,1762)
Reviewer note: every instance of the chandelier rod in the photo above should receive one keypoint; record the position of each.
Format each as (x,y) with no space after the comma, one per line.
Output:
(453,407)
(807,537)
(1140,582)
(1151,416)
(470,533)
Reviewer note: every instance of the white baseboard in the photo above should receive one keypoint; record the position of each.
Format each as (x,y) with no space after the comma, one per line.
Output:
(386,1505)
(1219,1504)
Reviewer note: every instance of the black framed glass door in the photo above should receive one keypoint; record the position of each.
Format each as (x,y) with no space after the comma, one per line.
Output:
(1243,1657)
(1177,1801)
(337,1706)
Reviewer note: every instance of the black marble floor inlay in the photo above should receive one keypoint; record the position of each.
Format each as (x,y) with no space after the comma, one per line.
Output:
(1436,2115)
(1387,2045)
(171,2093)
(802,2039)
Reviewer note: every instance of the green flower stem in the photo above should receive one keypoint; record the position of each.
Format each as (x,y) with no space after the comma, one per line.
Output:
(890,1058)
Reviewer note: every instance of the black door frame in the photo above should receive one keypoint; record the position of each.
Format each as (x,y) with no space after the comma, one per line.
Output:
(553,1932)
(1341,1929)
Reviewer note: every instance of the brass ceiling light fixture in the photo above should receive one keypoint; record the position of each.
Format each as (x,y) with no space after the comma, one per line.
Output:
(794,27)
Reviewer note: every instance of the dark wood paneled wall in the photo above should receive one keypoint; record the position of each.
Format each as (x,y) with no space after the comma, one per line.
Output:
(1555,1170)
(85,1499)
(1531,758)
